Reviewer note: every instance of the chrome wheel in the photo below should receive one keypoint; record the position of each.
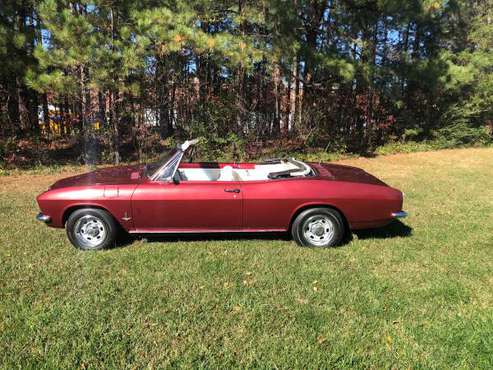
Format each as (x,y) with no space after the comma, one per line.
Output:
(90,231)
(318,230)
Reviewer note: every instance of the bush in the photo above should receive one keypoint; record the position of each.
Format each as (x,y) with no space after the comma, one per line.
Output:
(460,135)
(407,147)
(7,147)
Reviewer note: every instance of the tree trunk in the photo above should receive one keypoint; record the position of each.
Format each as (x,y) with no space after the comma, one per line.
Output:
(13,107)
(172,109)
(67,116)
(239,99)
(370,116)
(276,129)
(101,109)
(115,98)
(165,126)
(403,54)
(300,87)
(114,122)
(46,114)
(83,115)
(292,93)
(32,99)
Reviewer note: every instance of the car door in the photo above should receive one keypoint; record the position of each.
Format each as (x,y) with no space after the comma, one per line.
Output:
(269,204)
(187,206)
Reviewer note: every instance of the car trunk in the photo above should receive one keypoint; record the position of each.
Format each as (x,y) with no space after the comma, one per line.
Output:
(105,176)
(339,172)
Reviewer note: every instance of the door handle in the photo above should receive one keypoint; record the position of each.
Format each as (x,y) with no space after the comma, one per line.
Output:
(232,190)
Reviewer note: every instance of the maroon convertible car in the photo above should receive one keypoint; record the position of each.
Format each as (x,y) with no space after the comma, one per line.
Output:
(318,203)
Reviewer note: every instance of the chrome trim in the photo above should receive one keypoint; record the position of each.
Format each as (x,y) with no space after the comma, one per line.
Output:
(187,144)
(43,218)
(174,160)
(205,231)
(177,164)
(400,214)
(126,218)
(304,170)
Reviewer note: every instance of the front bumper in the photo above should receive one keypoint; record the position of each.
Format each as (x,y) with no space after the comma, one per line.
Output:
(400,214)
(43,218)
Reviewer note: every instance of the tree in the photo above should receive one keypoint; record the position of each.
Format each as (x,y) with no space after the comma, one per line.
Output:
(339,74)
(88,50)
(472,69)
(19,33)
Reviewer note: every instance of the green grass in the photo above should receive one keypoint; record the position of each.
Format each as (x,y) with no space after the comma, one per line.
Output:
(383,300)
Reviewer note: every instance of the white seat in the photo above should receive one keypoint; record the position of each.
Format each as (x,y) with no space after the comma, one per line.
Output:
(227,174)
(200,174)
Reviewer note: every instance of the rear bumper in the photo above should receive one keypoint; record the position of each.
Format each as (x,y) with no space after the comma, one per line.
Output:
(377,223)
(43,218)
(400,214)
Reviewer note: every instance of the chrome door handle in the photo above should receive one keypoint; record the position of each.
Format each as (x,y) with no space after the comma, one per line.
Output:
(232,190)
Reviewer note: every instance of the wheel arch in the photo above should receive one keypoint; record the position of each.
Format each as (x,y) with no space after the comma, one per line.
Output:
(318,205)
(71,209)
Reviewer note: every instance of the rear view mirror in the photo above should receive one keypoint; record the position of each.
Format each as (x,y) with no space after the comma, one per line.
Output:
(176,178)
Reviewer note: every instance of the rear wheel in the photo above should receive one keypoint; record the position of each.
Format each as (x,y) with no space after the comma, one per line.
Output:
(318,227)
(91,229)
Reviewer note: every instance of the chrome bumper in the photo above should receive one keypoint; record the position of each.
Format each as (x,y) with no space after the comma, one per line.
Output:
(400,214)
(43,218)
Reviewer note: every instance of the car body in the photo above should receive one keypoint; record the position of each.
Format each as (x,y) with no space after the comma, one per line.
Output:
(174,196)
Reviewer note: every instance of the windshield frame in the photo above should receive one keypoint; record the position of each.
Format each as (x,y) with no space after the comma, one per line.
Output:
(170,163)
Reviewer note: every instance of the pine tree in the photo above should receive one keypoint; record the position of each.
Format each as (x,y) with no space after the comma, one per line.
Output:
(19,33)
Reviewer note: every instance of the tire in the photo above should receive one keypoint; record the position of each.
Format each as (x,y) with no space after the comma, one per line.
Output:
(318,227)
(91,229)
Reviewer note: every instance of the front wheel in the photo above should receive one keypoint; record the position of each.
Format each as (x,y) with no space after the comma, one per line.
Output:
(318,227)
(91,229)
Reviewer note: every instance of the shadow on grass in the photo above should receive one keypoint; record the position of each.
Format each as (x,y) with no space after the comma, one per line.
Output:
(125,240)
(394,229)
(174,238)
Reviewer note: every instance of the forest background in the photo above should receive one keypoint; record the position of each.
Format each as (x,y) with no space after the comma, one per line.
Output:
(112,81)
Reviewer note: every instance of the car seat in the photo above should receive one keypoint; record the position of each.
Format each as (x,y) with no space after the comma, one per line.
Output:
(227,174)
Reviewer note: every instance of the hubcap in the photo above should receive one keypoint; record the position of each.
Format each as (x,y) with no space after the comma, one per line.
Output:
(90,231)
(318,230)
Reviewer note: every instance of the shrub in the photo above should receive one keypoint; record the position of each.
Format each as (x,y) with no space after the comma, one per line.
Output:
(461,134)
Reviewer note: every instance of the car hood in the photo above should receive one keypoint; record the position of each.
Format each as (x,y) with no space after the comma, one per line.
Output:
(105,176)
(339,172)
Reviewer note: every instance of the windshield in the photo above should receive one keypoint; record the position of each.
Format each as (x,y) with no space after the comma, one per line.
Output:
(153,167)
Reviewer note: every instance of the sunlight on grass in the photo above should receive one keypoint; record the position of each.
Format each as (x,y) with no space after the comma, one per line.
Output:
(387,299)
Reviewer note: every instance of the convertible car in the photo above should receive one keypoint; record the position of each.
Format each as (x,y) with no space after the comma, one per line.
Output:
(316,202)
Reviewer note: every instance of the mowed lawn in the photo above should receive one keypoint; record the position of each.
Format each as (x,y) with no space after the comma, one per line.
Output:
(397,298)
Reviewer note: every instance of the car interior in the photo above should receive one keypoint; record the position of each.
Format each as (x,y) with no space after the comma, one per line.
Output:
(271,169)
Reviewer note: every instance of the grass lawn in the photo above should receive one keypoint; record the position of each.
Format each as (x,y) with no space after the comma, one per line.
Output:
(386,299)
